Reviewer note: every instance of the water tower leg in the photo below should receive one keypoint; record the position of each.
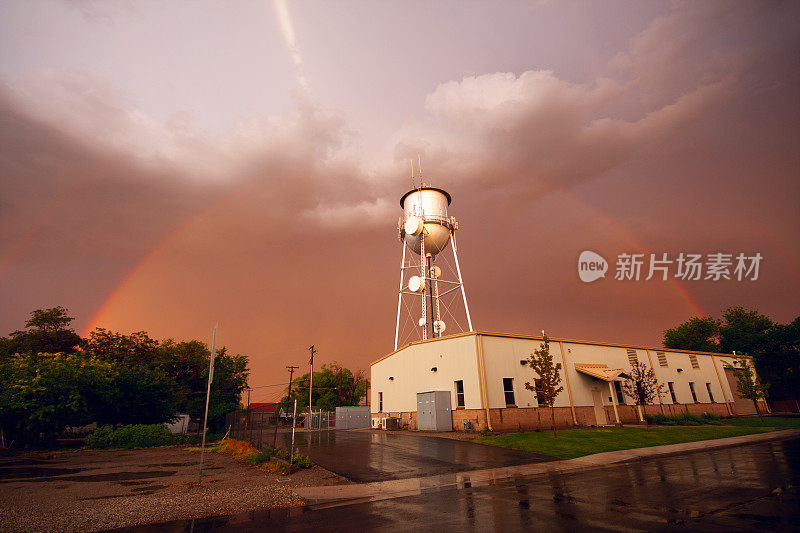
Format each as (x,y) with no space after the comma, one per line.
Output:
(435,283)
(400,297)
(423,263)
(461,281)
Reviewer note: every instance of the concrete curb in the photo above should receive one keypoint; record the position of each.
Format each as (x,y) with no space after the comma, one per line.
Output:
(331,496)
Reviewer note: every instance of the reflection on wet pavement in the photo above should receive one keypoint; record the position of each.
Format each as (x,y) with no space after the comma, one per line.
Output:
(752,487)
(95,478)
(366,456)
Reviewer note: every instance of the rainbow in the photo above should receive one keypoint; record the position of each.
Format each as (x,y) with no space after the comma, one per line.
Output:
(691,303)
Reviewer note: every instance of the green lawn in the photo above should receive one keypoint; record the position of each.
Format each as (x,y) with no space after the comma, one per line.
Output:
(769,422)
(578,442)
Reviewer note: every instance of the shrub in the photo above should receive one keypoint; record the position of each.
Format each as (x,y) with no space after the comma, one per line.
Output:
(131,436)
(282,453)
(279,467)
(260,457)
(303,461)
(684,419)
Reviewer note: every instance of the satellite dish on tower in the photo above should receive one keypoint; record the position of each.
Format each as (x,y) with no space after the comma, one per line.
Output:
(416,284)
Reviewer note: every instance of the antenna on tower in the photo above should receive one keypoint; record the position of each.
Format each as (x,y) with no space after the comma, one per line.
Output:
(412,174)
(419,161)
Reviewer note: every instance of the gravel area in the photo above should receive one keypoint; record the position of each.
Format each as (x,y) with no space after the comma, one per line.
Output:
(92,490)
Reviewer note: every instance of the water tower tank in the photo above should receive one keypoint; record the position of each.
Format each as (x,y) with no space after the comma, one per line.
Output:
(425,217)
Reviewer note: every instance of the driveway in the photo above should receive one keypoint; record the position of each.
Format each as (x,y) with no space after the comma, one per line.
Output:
(366,456)
(743,488)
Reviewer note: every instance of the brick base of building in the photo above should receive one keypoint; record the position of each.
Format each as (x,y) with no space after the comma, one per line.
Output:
(785,406)
(512,419)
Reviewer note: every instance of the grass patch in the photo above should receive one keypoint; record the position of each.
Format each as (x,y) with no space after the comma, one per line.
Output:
(769,422)
(579,442)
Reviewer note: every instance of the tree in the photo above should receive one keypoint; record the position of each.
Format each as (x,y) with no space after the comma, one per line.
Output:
(333,386)
(779,365)
(53,319)
(748,384)
(546,387)
(47,331)
(42,394)
(699,334)
(108,378)
(744,330)
(134,350)
(775,347)
(642,387)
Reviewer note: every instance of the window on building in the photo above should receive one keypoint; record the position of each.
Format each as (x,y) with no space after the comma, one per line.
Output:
(662,358)
(693,361)
(710,394)
(459,393)
(380,402)
(618,391)
(632,359)
(537,385)
(671,387)
(508,390)
(694,394)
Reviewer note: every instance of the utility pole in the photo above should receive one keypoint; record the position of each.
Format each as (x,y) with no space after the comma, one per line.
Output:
(208,395)
(339,403)
(275,436)
(310,380)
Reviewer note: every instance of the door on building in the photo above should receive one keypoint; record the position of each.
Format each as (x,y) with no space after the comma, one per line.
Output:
(743,406)
(599,411)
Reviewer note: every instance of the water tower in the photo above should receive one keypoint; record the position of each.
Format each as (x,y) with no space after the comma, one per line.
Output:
(425,228)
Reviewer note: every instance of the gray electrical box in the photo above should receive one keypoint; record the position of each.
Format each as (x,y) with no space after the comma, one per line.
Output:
(355,417)
(433,411)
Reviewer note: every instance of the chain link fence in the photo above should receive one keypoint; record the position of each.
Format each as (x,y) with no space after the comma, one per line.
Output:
(262,428)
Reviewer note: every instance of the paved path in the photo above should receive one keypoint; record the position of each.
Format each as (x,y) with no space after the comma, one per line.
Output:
(369,456)
(320,497)
(735,488)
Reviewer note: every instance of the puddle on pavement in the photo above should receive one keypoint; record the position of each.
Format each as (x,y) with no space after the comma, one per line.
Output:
(151,488)
(261,517)
(20,472)
(173,465)
(138,491)
(27,462)
(96,478)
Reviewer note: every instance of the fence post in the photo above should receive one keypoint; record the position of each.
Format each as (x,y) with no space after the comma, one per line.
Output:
(294,417)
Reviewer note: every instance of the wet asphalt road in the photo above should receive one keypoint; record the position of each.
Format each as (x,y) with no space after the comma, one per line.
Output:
(744,488)
(367,456)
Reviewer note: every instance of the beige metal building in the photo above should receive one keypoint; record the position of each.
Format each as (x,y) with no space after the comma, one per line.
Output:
(485,376)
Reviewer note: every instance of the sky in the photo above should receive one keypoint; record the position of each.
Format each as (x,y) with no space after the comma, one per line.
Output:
(169,166)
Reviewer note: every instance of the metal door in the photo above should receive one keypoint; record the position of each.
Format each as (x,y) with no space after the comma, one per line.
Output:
(425,413)
(743,406)
(599,411)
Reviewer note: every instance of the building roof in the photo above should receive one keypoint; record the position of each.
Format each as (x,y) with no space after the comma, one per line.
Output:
(551,339)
